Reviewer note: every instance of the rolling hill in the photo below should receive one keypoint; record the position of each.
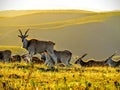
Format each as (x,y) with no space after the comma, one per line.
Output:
(81,32)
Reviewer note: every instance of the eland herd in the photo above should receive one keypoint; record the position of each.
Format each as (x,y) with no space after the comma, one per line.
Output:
(50,56)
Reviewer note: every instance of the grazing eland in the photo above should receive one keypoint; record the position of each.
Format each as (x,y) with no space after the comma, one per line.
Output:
(111,62)
(26,57)
(90,63)
(80,61)
(5,56)
(62,57)
(35,46)
(16,58)
(36,60)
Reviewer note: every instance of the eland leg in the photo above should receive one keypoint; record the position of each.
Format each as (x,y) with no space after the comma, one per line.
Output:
(53,56)
(48,60)
(31,55)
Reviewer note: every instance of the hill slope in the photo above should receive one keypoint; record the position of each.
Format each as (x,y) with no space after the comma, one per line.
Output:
(95,33)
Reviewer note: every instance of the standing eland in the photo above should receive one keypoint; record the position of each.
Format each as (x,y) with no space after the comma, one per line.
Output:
(62,57)
(35,46)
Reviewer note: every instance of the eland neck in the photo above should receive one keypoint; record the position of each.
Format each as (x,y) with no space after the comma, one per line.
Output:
(25,43)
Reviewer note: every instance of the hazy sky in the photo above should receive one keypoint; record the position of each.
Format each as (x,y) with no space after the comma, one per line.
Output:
(95,5)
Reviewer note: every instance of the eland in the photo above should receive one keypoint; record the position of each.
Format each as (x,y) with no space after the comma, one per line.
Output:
(90,63)
(16,58)
(62,57)
(36,60)
(35,46)
(5,56)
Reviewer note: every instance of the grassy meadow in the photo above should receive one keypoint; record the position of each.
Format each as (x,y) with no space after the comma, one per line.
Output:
(20,76)
(78,31)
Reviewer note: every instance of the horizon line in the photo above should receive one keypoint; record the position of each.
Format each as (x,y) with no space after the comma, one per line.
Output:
(60,9)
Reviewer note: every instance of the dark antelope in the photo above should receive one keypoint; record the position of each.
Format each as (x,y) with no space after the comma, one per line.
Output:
(62,57)
(111,62)
(35,46)
(5,56)
(90,62)
(81,62)
(16,58)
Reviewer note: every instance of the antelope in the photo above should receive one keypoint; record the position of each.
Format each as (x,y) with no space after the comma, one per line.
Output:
(112,63)
(36,60)
(81,62)
(5,55)
(35,46)
(16,58)
(90,62)
(62,57)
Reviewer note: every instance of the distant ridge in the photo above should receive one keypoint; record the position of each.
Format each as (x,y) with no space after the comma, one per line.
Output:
(12,13)
(53,19)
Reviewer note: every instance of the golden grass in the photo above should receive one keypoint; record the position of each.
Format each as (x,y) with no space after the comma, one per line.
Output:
(22,76)
(14,49)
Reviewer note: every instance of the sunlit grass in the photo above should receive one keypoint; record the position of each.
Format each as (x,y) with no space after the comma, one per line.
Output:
(23,76)
(74,78)
(34,76)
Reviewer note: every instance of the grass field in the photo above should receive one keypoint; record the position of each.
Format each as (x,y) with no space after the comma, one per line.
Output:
(19,76)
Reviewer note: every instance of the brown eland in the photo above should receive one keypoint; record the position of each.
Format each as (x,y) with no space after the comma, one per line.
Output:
(16,58)
(36,60)
(90,63)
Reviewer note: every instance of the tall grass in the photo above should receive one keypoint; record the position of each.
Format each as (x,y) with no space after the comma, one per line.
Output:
(19,76)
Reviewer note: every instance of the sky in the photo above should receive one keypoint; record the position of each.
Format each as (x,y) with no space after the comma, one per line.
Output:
(91,5)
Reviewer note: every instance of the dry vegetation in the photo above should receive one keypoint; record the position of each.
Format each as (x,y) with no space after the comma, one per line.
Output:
(53,19)
(21,76)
